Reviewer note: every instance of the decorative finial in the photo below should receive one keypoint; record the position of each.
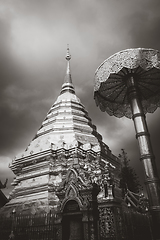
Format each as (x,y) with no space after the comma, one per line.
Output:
(68,86)
(68,56)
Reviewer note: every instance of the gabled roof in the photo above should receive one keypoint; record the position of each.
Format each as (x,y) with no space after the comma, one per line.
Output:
(3,199)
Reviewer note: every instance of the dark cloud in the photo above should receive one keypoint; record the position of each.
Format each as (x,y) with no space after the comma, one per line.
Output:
(143,24)
(33,40)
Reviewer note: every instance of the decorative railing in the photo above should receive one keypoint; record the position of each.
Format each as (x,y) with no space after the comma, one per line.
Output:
(28,227)
(115,223)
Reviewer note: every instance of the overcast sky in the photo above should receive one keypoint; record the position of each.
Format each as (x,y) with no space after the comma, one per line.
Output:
(33,39)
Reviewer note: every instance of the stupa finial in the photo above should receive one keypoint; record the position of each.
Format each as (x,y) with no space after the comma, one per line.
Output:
(68,55)
(68,86)
(68,70)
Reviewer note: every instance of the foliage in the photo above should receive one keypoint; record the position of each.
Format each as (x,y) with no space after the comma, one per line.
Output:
(129,179)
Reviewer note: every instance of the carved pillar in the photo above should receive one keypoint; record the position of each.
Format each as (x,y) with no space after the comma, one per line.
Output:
(90,213)
(110,220)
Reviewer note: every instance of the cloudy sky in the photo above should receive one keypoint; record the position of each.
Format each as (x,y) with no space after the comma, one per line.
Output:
(33,39)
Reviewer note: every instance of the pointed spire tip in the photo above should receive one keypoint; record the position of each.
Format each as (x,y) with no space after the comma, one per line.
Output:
(68,86)
(68,55)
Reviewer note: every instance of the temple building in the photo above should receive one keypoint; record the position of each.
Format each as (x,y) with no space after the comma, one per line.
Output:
(67,175)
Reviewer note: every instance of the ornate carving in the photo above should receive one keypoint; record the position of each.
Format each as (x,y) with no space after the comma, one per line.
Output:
(106,183)
(71,193)
(107,225)
(139,62)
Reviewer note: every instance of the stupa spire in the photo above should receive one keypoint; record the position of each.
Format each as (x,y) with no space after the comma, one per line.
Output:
(68,78)
(68,55)
(68,86)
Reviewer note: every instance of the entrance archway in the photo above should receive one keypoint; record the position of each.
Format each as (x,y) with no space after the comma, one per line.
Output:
(72,227)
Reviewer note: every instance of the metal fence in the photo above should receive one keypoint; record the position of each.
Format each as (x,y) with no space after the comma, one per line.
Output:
(116,224)
(137,226)
(27,227)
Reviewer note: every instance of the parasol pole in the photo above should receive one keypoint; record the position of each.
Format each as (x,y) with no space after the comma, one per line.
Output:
(146,153)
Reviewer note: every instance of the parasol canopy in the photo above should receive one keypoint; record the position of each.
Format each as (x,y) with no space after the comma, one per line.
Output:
(110,91)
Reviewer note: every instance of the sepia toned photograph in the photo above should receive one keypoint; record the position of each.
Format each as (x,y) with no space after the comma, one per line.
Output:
(79,120)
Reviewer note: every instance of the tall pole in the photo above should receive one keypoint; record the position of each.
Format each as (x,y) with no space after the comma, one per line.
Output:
(146,153)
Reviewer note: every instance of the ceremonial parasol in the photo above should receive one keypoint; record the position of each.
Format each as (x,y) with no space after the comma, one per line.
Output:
(128,84)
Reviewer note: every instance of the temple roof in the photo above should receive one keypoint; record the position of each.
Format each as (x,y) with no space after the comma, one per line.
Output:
(67,122)
(3,199)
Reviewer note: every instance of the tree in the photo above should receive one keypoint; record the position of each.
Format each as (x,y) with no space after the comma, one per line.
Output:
(128,177)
